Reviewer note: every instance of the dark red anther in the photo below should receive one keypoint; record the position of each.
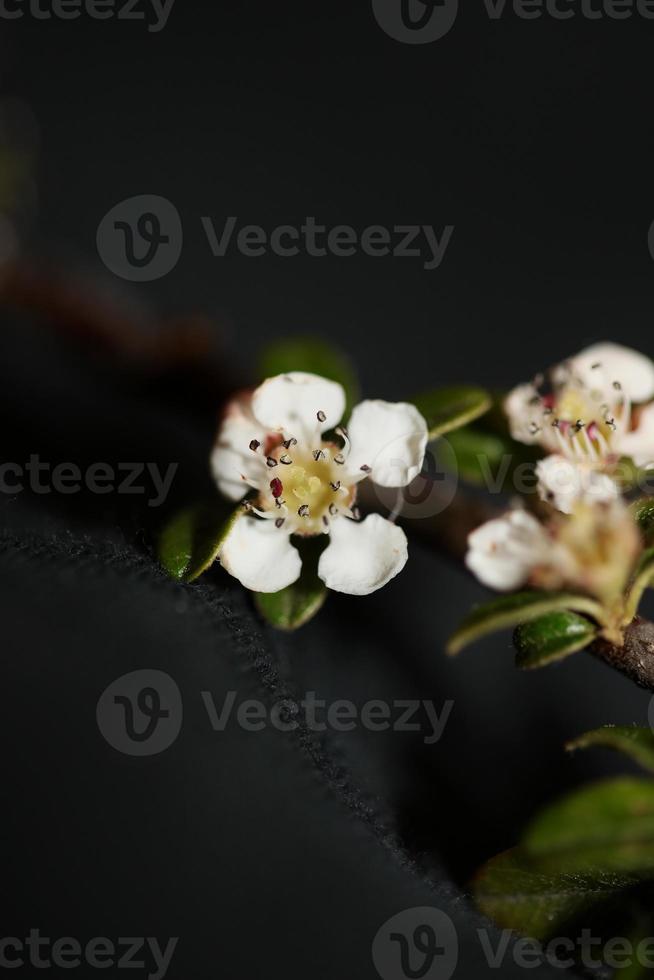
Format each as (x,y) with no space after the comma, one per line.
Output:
(277,488)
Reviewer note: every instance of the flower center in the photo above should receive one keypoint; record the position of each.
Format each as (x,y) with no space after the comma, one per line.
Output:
(306,486)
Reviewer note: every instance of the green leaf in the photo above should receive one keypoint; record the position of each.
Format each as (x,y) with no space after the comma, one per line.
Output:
(315,357)
(445,409)
(488,456)
(298,603)
(637,743)
(643,578)
(551,637)
(512,610)
(643,512)
(191,541)
(513,892)
(607,827)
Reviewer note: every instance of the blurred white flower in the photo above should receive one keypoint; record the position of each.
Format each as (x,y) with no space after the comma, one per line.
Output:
(589,412)
(273,441)
(593,550)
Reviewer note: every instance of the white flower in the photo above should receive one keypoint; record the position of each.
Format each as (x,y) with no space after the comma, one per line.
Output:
(503,552)
(592,550)
(563,483)
(584,409)
(273,441)
(583,412)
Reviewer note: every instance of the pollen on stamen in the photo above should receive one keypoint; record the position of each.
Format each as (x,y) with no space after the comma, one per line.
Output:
(271,462)
(289,442)
(254,445)
(303,511)
(276,487)
(321,417)
(285,460)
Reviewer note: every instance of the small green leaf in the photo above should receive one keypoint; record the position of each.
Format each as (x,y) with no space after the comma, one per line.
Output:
(298,603)
(512,610)
(445,409)
(191,541)
(551,637)
(643,512)
(517,895)
(487,456)
(314,357)
(643,578)
(637,743)
(607,827)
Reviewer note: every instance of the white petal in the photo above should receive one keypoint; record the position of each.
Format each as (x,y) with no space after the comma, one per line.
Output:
(390,438)
(503,552)
(232,458)
(260,555)
(291,402)
(524,414)
(633,370)
(563,483)
(639,444)
(362,557)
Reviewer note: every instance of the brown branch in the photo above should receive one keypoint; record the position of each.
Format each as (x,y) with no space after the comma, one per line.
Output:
(636,658)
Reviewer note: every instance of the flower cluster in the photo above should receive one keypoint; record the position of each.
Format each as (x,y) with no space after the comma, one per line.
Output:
(587,414)
(282,449)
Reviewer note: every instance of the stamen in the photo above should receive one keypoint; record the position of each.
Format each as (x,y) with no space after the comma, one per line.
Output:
(303,511)
(280,522)
(271,462)
(333,510)
(289,442)
(356,513)
(325,521)
(318,454)
(321,417)
(534,429)
(285,460)
(276,487)
(336,486)
(346,439)
(339,459)
(366,469)
(251,509)
(254,445)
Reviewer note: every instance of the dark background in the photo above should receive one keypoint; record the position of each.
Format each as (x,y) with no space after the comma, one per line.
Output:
(533,138)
